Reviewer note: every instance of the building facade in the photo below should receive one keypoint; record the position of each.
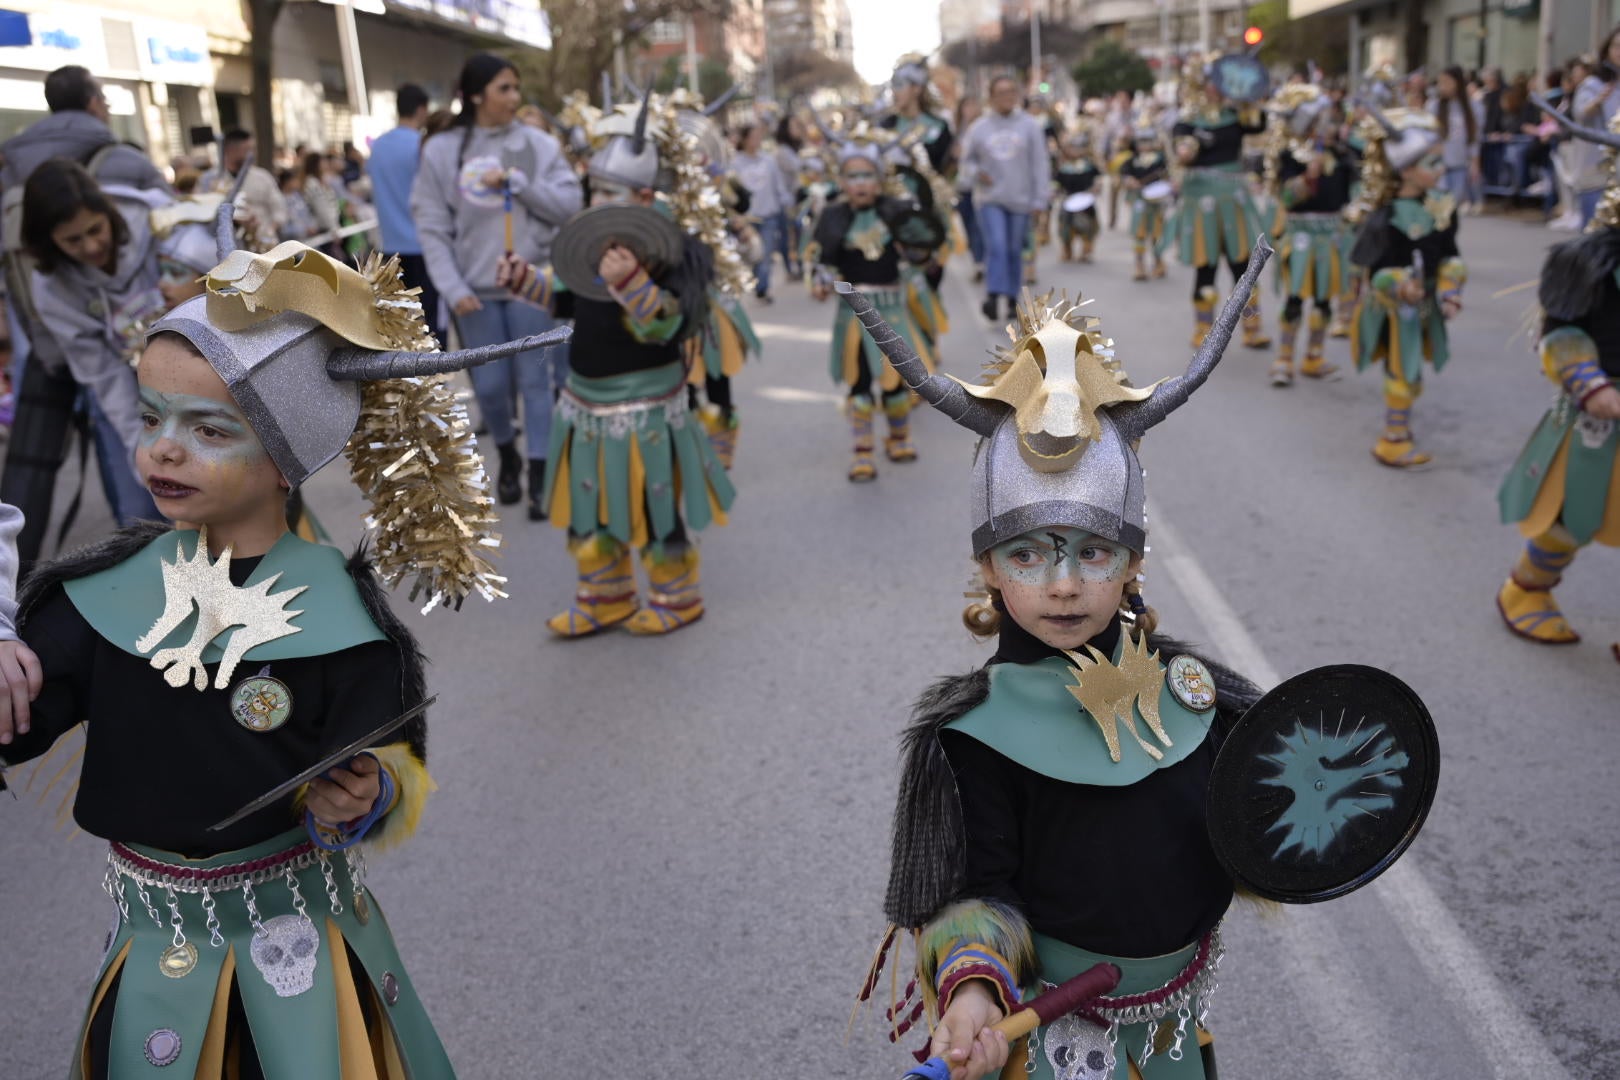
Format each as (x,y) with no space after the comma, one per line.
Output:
(1518,36)
(737,41)
(177,72)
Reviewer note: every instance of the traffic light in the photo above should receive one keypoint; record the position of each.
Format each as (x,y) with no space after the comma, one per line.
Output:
(1045,88)
(1252,36)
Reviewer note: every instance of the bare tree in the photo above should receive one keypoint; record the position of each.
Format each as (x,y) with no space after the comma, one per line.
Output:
(804,71)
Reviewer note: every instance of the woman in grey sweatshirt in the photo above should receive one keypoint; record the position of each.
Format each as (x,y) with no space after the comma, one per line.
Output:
(100,280)
(469,177)
(1005,154)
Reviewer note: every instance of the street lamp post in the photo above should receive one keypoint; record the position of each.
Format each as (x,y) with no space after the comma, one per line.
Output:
(1034,47)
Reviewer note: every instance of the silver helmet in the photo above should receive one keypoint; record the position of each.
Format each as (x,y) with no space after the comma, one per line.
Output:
(629,159)
(292,333)
(1059,437)
(1409,134)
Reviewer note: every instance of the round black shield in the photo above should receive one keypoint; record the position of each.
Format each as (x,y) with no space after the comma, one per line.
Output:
(1241,78)
(918,231)
(1323,784)
(577,250)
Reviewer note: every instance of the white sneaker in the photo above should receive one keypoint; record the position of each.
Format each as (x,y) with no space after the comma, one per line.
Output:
(1540,187)
(1566,223)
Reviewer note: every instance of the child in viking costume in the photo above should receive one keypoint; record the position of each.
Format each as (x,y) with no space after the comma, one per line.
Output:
(630,469)
(1052,814)
(1075,177)
(227,655)
(1564,491)
(1310,176)
(1217,219)
(928,140)
(1145,175)
(858,239)
(1407,250)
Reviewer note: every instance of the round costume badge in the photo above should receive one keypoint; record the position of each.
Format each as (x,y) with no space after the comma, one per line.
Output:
(177,961)
(1191,682)
(260,703)
(162,1047)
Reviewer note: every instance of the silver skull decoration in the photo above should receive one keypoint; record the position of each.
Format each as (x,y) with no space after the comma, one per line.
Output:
(285,954)
(1078,1049)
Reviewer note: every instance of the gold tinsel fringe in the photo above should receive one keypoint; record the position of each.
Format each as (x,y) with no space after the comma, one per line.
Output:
(697,202)
(416,458)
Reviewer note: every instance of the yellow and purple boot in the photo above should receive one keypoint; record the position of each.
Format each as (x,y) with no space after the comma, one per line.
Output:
(897,410)
(1140,274)
(862,467)
(674,598)
(1395,447)
(1254,328)
(1342,307)
(1314,366)
(1282,368)
(606,594)
(722,431)
(1525,600)
(1203,314)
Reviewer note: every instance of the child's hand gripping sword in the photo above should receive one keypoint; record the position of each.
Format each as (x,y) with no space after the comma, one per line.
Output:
(1071,997)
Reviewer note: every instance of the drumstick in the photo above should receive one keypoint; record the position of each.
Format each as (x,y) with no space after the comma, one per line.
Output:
(506,196)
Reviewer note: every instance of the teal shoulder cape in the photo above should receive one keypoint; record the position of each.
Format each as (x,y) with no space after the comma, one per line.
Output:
(123,601)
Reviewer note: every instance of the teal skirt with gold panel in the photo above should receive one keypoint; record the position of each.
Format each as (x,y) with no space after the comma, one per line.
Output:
(286,930)
(1567,475)
(1216,218)
(853,349)
(1311,257)
(628,459)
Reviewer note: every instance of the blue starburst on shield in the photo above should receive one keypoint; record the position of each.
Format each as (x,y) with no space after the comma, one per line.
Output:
(1334,778)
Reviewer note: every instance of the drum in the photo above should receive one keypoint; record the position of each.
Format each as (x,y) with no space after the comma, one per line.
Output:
(1158,191)
(1079,201)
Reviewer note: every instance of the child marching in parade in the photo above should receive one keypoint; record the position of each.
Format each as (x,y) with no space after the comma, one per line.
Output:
(1217,219)
(861,238)
(1062,811)
(1145,175)
(1407,250)
(630,469)
(1076,178)
(1564,491)
(226,655)
(1311,176)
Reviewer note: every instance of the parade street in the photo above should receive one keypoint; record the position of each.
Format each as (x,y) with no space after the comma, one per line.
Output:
(665,857)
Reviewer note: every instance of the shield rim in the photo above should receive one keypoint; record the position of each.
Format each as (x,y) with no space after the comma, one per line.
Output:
(577,249)
(1241,58)
(1430,739)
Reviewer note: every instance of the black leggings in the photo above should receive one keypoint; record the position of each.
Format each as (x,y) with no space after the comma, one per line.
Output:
(717,390)
(1296,306)
(1204,278)
(862,387)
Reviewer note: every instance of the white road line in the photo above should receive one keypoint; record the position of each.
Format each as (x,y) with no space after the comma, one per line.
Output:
(785,332)
(1509,1043)
(796,396)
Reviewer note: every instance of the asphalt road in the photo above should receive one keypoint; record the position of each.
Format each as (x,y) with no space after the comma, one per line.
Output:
(664,857)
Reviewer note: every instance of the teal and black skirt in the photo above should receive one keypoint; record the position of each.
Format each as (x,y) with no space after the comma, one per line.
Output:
(276,949)
(629,459)
(1216,218)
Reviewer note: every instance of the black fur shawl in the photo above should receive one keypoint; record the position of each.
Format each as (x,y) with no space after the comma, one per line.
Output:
(1574,275)
(929,853)
(123,544)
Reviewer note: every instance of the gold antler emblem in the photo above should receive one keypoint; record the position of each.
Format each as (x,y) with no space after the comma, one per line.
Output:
(1108,692)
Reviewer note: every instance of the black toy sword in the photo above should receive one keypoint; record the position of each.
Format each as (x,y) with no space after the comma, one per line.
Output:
(332,760)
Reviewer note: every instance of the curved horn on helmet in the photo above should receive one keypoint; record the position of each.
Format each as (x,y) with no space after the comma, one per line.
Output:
(1136,417)
(630,85)
(947,396)
(1592,135)
(638,139)
(721,102)
(353,364)
(1378,114)
(225,216)
(832,137)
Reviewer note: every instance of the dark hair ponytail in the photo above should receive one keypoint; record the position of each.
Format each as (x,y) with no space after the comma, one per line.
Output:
(478,72)
(54,193)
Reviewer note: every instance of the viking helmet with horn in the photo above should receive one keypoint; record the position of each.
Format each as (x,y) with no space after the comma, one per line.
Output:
(1059,421)
(628,159)
(322,357)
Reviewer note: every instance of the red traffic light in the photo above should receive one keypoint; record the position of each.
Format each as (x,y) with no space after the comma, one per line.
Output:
(1252,36)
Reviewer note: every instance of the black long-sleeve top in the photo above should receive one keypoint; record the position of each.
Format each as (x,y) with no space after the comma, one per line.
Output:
(1124,871)
(162,764)
(1332,190)
(1380,245)
(1221,145)
(848,262)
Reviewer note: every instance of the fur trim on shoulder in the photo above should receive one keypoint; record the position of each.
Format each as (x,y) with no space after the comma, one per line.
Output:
(82,562)
(1575,273)
(412,665)
(928,849)
(1234,693)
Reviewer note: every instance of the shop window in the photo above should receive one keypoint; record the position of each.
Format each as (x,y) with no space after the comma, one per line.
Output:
(337,122)
(174,138)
